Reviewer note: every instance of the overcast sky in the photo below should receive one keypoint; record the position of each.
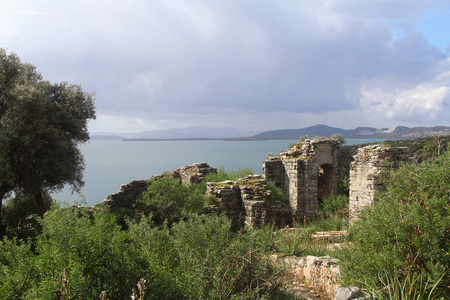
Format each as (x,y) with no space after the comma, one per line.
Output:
(253,65)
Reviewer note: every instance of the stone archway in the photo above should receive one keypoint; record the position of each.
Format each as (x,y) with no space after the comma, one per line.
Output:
(324,182)
(308,173)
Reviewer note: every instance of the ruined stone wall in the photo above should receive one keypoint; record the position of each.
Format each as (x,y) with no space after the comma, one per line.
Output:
(307,173)
(193,173)
(365,171)
(320,272)
(248,202)
(226,199)
(128,194)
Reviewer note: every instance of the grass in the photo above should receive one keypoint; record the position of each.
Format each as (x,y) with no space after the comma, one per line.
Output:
(299,241)
(413,286)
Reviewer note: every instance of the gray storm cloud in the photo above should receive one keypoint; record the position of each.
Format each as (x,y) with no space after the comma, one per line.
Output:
(190,60)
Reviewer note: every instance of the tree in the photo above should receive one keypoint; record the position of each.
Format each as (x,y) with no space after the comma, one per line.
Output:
(339,137)
(41,126)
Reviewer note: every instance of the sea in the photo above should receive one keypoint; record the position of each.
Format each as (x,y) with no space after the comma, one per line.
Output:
(111,163)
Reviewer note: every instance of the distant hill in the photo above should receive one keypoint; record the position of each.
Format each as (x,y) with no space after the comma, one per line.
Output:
(399,132)
(197,132)
(106,137)
(321,130)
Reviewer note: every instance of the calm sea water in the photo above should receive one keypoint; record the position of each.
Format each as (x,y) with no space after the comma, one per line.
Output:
(110,163)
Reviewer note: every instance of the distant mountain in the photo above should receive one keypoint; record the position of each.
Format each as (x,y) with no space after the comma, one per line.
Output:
(321,130)
(399,132)
(198,132)
(106,137)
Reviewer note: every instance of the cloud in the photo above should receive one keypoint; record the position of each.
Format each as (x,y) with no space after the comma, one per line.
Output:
(186,63)
(427,101)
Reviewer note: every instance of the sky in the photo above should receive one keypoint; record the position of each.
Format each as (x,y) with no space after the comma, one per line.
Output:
(250,65)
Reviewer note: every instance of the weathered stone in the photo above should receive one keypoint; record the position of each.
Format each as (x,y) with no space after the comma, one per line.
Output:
(348,293)
(309,172)
(366,170)
(248,201)
(319,272)
(129,193)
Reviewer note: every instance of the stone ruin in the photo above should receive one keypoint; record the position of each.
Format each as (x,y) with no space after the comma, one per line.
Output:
(366,171)
(129,193)
(308,173)
(248,202)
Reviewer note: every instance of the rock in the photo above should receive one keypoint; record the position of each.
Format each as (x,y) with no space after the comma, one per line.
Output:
(347,293)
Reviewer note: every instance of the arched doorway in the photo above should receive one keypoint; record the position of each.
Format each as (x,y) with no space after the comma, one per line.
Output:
(324,182)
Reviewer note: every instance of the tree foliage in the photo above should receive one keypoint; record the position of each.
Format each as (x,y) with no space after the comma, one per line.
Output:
(41,125)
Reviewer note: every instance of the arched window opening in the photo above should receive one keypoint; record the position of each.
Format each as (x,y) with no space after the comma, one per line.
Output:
(324,182)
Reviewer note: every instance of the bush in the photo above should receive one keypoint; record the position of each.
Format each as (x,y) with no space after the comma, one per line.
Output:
(222,175)
(169,199)
(86,245)
(82,252)
(407,232)
(20,215)
(335,204)
(278,194)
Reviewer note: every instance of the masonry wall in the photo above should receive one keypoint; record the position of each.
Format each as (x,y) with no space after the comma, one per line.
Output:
(248,202)
(366,171)
(298,173)
(128,194)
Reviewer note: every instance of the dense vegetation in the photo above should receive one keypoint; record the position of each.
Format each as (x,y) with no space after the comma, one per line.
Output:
(84,248)
(406,234)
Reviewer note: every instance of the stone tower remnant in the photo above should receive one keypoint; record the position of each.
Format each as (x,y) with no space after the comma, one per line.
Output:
(366,170)
(308,173)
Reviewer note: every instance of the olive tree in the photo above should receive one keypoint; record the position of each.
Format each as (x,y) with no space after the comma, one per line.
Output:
(41,126)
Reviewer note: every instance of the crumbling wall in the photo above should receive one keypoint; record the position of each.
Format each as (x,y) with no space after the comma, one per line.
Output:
(193,173)
(366,170)
(307,173)
(320,272)
(248,202)
(128,194)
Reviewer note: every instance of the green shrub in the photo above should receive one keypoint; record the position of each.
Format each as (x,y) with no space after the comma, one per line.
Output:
(169,199)
(278,194)
(20,215)
(407,232)
(339,137)
(17,268)
(222,175)
(216,263)
(92,248)
(83,252)
(335,203)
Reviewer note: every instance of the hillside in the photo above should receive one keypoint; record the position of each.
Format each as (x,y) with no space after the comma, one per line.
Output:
(399,132)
